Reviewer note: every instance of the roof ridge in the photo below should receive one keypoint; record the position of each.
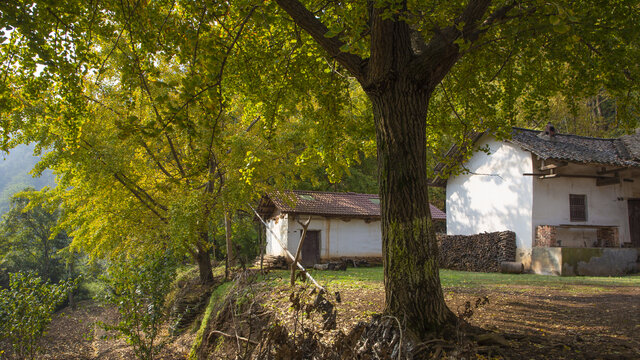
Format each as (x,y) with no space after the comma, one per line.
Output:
(331,192)
(567,135)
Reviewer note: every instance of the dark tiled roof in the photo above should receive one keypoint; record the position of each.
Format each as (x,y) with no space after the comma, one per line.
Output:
(623,152)
(632,145)
(437,214)
(329,204)
(575,149)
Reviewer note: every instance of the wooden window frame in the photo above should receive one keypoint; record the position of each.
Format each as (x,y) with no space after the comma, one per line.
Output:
(578,207)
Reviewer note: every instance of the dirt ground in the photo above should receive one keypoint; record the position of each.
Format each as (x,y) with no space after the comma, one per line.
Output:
(76,334)
(538,322)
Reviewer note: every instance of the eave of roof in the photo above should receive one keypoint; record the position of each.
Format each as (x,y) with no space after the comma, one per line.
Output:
(328,204)
(622,152)
(573,148)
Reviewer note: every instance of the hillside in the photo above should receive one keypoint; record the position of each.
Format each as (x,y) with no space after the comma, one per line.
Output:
(14,174)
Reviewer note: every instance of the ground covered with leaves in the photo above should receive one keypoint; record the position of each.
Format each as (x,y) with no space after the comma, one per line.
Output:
(533,317)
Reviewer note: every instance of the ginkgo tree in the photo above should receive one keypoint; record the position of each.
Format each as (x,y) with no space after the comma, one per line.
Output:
(430,70)
(152,129)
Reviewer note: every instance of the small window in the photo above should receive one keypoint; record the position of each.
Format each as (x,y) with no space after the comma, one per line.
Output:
(375,201)
(578,207)
(306,197)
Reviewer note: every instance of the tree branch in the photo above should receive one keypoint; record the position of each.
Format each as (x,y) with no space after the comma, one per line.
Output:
(174,154)
(135,193)
(441,52)
(155,159)
(136,190)
(312,25)
(391,48)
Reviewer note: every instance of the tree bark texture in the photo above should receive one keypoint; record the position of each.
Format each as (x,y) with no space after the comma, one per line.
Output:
(203,259)
(410,252)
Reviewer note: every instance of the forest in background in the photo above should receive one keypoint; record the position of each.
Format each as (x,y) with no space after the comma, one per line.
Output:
(15,168)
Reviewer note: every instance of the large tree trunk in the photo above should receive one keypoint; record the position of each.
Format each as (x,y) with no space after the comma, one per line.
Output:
(204,263)
(410,252)
(399,77)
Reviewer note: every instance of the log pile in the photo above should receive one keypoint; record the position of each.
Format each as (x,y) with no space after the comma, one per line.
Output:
(481,252)
(272,262)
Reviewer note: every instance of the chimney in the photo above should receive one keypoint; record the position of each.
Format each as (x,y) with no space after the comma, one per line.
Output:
(550,130)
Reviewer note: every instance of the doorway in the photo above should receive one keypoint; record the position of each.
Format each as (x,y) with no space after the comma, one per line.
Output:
(634,222)
(311,248)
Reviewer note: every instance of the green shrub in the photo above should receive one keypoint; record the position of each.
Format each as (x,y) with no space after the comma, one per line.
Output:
(26,308)
(138,288)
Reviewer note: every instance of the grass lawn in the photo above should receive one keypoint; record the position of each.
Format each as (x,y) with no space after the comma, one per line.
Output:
(373,278)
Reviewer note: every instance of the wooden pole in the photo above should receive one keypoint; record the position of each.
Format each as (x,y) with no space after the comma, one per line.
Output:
(262,249)
(230,259)
(304,225)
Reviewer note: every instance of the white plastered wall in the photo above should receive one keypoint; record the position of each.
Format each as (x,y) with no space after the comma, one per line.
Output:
(606,205)
(340,238)
(277,226)
(494,195)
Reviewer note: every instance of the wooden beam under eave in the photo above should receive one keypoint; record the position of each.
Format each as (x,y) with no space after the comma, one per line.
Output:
(608,181)
(553,166)
(604,171)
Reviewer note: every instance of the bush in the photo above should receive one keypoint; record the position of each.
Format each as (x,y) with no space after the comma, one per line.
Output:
(26,308)
(138,288)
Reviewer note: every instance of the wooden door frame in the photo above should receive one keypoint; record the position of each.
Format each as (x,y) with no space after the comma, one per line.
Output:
(629,219)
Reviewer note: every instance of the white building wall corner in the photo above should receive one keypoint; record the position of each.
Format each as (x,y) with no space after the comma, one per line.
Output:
(494,195)
(276,234)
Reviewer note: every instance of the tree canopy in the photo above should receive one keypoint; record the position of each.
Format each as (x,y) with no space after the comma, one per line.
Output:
(158,120)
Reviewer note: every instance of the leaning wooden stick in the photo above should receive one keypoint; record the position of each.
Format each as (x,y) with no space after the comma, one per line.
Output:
(304,225)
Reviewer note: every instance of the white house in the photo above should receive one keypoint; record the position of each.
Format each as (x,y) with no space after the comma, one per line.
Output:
(343,225)
(552,190)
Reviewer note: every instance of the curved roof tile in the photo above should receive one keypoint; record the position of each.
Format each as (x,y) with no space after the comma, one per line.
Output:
(331,204)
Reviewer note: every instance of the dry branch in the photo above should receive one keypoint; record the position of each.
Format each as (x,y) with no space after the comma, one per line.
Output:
(237,337)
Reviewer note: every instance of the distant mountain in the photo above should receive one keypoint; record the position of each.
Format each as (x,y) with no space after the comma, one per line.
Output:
(14,174)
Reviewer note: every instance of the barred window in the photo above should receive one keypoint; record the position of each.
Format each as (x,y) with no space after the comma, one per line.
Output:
(578,207)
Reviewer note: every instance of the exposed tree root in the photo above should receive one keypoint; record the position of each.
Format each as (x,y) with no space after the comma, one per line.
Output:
(246,329)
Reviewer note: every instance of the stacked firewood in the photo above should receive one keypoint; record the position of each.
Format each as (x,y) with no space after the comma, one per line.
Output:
(482,252)
(272,262)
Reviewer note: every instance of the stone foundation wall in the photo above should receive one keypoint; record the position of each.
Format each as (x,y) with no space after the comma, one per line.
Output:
(584,261)
(481,252)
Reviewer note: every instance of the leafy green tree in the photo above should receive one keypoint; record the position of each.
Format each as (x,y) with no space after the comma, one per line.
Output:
(595,115)
(26,308)
(164,138)
(137,287)
(432,71)
(29,238)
